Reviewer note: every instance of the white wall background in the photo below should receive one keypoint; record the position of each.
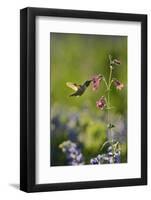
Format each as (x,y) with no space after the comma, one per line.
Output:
(9,98)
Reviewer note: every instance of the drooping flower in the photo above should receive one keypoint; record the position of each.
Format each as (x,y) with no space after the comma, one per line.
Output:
(96,80)
(118,85)
(101,103)
(116,62)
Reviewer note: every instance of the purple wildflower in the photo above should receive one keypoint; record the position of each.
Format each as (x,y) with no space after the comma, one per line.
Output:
(73,153)
(101,103)
(96,81)
(94,161)
(117,158)
(118,85)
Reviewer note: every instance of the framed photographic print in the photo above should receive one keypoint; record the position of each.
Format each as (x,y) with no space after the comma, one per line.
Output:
(83,99)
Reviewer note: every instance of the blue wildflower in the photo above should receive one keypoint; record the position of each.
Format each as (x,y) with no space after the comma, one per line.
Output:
(117,158)
(94,161)
(111,156)
(73,153)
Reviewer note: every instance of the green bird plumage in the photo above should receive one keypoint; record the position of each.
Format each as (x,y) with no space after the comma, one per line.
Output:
(79,89)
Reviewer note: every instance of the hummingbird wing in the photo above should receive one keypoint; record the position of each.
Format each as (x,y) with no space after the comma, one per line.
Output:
(79,92)
(74,94)
(73,86)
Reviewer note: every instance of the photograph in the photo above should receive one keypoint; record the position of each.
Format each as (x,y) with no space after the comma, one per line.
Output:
(88,99)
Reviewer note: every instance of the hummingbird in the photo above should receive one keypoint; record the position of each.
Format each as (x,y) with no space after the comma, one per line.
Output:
(79,89)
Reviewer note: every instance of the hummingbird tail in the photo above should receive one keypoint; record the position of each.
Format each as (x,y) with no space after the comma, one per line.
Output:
(74,95)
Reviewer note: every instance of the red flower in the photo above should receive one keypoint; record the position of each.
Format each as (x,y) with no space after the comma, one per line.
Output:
(101,103)
(118,85)
(96,81)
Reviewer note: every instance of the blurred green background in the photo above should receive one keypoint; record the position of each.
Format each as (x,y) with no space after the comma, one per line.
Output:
(76,58)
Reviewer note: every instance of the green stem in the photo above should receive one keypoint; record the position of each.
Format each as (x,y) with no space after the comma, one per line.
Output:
(109,86)
(108,96)
(105,83)
(110,77)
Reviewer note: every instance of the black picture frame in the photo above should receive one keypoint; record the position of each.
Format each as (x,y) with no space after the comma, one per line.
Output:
(28,98)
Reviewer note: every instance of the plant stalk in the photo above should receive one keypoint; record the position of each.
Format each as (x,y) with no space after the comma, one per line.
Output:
(108,99)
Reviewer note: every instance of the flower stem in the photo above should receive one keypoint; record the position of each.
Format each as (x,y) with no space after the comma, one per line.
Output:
(109,86)
(105,83)
(110,77)
(108,98)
